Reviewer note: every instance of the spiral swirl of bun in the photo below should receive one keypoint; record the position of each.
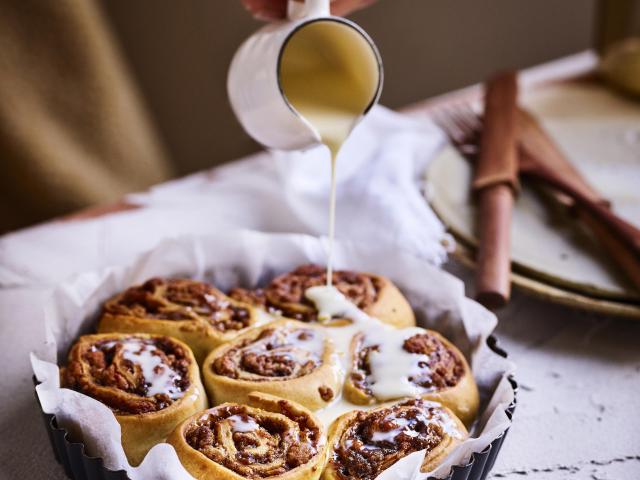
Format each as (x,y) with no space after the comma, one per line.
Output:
(268,437)
(195,312)
(150,382)
(290,359)
(363,444)
(285,295)
(435,368)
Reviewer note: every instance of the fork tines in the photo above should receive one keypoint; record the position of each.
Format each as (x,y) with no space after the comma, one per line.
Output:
(461,124)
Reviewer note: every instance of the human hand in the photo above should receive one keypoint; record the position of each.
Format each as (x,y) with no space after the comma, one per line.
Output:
(276,9)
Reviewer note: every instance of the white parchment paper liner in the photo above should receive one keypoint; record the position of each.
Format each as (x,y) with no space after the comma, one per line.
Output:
(248,258)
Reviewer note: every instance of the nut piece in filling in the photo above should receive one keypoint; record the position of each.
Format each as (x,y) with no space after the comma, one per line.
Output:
(285,295)
(363,444)
(290,359)
(150,382)
(267,438)
(391,365)
(192,311)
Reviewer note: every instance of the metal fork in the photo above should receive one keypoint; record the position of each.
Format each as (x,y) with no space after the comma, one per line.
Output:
(462,126)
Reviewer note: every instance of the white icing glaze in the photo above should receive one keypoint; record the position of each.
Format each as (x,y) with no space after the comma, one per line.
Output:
(403,425)
(158,376)
(309,347)
(242,423)
(312,340)
(338,407)
(449,426)
(441,417)
(391,365)
(222,303)
(391,435)
(332,214)
(331,303)
(262,317)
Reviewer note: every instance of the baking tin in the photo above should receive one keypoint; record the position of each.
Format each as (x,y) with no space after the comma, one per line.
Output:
(80,466)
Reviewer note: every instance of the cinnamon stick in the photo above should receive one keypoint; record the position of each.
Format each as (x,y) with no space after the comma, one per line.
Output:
(495,184)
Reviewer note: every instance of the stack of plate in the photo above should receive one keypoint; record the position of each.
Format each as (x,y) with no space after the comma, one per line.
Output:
(553,256)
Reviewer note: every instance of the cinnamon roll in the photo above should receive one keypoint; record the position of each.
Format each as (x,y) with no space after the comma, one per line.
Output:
(290,359)
(194,312)
(363,444)
(394,364)
(268,437)
(150,382)
(285,295)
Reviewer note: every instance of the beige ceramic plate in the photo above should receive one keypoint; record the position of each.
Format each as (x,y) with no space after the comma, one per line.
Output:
(600,132)
(552,293)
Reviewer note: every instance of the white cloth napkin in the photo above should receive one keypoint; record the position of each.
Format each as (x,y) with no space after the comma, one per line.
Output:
(380,173)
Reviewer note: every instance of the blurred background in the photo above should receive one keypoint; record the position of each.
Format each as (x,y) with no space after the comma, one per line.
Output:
(180,56)
(99,98)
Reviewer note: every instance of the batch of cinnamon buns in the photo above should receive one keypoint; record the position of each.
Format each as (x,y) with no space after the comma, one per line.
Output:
(303,381)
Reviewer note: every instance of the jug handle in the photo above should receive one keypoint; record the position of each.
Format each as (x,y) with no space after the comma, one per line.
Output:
(298,9)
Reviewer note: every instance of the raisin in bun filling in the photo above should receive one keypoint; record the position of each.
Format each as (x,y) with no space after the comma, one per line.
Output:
(149,382)
(196,313)
(285,295)
(290,359)
(424,360)
(363,444)
(268,437)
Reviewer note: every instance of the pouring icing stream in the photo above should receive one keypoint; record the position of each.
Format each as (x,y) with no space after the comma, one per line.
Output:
(391,364)
(329,74)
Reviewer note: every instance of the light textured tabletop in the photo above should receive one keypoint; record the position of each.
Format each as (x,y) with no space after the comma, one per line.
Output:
(579,376)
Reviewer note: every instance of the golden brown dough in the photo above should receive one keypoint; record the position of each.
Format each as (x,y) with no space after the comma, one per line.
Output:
(269,437)
(290,359)
(374,294)
(196,313)
(443,376)
(150,382)
(363,444)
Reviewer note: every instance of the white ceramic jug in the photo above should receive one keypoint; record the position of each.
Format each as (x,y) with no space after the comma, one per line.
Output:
(254,84)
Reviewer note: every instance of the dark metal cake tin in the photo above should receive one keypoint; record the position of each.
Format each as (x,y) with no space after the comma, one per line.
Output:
(80,466)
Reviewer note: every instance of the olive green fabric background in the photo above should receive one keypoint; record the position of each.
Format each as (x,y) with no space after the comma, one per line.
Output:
(73,128)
